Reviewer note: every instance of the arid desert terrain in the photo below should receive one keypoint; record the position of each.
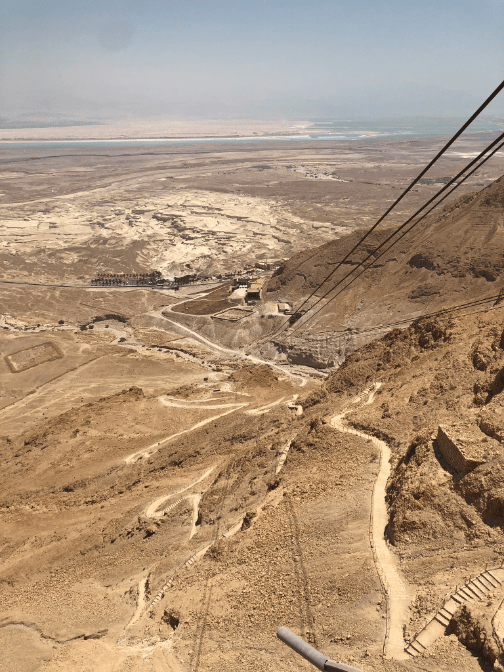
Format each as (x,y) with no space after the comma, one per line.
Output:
(184,471)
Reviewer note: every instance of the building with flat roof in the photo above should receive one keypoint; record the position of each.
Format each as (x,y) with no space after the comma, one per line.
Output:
(255,289)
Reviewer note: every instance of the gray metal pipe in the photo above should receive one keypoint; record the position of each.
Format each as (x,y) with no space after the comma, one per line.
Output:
(299,646)
(310,654)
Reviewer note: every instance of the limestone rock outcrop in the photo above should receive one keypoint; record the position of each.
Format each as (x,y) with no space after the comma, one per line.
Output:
(465,447)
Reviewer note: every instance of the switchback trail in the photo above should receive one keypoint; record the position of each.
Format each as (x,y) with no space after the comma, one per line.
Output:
(154,447)
(229,351)
(396,588)
(182,403)
(152,510)
(264,409)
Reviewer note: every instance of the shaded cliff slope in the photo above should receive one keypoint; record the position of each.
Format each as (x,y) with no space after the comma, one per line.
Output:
(454,255)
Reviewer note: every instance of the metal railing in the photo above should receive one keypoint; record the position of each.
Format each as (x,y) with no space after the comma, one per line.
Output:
(310,654)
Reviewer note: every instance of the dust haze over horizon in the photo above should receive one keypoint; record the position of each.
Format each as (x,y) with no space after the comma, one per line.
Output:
(109,61)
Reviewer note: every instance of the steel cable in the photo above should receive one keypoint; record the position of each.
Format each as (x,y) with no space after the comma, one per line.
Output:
(406,191)
(444,311)
(485,159)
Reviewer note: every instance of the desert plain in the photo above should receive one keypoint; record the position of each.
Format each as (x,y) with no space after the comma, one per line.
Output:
(182,474)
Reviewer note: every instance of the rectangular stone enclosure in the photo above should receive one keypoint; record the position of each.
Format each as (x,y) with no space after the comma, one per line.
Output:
(465,447)
(30,357)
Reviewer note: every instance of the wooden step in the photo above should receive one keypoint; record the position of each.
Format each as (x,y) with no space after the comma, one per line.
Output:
(480,585)
(450,607)
(486,582)
(417,648)
(490,580)
(467,589)
(442,619)
(468,596)
(476,589)
(494,577)
(444,612)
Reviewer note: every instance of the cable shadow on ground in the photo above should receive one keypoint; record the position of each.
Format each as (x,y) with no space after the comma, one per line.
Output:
(307,620)
(202,622)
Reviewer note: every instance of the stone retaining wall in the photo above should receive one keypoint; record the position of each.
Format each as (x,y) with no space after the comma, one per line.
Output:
(465,447)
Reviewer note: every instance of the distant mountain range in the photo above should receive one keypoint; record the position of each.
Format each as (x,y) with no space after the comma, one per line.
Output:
(370,102)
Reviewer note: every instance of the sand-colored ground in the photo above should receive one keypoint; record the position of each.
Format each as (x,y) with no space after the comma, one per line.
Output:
(173,230)
(170,495)
(236,515)
(69,214)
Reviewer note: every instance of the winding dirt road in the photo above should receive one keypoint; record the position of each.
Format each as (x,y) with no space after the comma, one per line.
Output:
(182,403)
(228,351)
(395,586)
(264,409)
(152,510)
(154,447)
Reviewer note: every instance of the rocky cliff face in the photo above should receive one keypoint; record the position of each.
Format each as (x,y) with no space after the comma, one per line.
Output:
(453,256)
(473,628)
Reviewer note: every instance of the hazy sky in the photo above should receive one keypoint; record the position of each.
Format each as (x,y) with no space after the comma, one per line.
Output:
(256,58)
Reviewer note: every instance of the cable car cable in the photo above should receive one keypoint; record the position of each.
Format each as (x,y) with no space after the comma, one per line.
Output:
(392,235)
(408,189)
